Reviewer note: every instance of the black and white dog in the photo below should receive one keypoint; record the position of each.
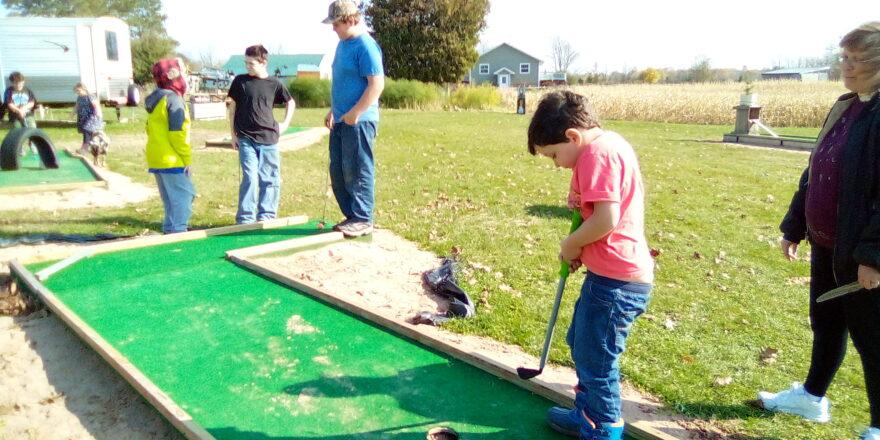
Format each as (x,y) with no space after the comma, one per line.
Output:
(98,146)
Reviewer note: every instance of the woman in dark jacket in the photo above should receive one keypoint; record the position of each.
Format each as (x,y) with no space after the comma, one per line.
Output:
(837,208)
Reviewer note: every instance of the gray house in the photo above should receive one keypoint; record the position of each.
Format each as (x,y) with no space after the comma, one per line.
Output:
(505,66)
(805,74)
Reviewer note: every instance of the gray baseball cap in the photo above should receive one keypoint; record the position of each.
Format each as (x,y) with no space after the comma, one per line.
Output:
(339,9)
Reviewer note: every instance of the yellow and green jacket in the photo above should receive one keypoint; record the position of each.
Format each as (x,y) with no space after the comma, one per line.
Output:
(168,144)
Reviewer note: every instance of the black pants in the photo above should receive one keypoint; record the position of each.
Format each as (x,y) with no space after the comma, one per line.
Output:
(856,314)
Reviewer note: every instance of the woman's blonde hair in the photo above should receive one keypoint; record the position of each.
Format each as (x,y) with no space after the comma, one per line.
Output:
(81,86)
(865,40)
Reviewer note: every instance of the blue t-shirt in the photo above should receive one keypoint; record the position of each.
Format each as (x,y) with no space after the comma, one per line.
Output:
(356,59)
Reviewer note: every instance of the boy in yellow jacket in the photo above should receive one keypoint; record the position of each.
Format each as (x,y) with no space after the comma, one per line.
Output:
(169,154)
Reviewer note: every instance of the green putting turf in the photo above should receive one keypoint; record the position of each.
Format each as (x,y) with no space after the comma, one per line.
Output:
(292,130)
(249,358)
(30,172)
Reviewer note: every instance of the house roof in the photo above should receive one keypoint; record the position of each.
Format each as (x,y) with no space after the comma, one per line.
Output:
(501,70)
(794,70)
(508,45)
(286,65)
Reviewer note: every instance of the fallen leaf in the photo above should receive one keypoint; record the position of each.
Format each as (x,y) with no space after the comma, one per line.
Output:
(688,359)
(656,252)
(722,381)
(768,355)
(698,255)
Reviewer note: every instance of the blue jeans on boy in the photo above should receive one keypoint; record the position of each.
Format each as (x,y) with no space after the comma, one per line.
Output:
(260,181)
(352,169)
(177,193)
(602,320)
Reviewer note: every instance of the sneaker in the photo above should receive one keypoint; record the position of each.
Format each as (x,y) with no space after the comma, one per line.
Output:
(871,434)
(356,229)
(564,421)
(339,225)
(799,402)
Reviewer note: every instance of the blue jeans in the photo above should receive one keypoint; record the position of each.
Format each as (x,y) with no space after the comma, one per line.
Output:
(260,181)
(603,317)
(177,192)
(352,169)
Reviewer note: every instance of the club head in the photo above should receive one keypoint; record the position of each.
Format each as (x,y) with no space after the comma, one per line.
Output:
(527,373)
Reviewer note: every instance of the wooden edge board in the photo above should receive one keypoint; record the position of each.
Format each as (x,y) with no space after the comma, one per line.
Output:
(164,404)
(154,240)
(556,392)
(227,143)
(85,160)
(278,246)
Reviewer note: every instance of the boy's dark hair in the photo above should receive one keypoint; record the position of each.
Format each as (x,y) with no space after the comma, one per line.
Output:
(15,77)
(257,51)
(557,112)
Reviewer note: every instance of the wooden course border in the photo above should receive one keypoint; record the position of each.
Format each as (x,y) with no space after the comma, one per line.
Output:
(789,142)
(313,131)
(51,187)
(167,407)
(153,394)
(154,240)
(556,392)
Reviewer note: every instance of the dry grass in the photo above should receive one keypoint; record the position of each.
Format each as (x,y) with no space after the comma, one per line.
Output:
(785,103)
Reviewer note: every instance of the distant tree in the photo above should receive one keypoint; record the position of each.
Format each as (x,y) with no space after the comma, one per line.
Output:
(428,40)
(208,60)
(145,51)
(144,17)
(562,54)
(651,75)
(701,71)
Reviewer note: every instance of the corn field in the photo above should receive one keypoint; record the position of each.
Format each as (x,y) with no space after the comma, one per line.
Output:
(785,103)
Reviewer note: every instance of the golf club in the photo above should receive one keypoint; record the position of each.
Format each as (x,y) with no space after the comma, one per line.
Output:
(528,373)
(325,196)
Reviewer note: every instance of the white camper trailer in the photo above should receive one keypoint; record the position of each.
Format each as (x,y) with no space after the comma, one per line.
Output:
(56,53)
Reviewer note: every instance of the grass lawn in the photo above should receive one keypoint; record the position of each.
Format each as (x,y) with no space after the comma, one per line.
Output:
(464,180)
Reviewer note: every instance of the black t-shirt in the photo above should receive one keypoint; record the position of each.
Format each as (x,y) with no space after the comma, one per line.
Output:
(254,98)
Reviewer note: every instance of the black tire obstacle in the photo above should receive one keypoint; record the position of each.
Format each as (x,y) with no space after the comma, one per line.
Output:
(17,139)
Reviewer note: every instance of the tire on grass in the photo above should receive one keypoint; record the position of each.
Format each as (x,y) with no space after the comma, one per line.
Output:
(17,139)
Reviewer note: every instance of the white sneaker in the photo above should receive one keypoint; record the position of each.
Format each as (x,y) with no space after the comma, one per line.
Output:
(799,402)
(871,434)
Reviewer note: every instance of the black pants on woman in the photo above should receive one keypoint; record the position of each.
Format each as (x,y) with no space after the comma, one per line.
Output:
(856,314)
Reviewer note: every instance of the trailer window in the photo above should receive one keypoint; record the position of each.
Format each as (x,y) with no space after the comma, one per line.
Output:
(112,48)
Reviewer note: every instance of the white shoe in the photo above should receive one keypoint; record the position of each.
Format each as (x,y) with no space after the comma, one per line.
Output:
(871,434)
(799,402)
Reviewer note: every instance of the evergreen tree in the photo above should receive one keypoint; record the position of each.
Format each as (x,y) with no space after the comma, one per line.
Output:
(428,40)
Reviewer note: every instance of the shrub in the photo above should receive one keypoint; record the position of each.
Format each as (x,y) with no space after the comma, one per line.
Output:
(410,94)
(481,97)
(310,92)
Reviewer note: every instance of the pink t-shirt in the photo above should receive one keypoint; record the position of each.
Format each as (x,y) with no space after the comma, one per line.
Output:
(608,171)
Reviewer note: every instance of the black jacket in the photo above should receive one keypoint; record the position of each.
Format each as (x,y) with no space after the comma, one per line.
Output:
(858,208)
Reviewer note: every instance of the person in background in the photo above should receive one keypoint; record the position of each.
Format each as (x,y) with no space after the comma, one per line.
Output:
(19,102)
(837,209)
(255,135)
(358,81)
(169,153)
(89,117)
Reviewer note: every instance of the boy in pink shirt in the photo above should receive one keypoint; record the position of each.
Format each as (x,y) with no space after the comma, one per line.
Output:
(606,186)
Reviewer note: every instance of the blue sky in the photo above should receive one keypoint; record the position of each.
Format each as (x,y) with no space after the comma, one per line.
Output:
(608,35)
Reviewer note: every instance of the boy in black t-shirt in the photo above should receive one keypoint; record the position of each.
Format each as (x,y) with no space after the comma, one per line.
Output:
(255,135)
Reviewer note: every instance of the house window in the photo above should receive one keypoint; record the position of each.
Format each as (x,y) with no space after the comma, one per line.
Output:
(112,48)
(524,67)
(484,69)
